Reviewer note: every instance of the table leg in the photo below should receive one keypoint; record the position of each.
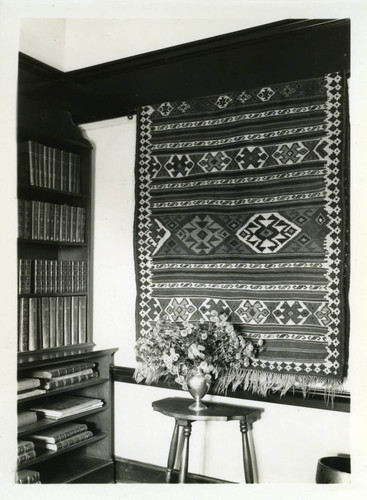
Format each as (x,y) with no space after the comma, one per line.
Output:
(172,453)
(185,453)
(247,460)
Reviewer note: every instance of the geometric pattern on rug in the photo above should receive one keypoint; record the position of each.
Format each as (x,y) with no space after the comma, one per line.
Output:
(240,207)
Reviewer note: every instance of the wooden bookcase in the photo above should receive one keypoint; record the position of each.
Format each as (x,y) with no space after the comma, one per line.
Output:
(52,241)
(90,461)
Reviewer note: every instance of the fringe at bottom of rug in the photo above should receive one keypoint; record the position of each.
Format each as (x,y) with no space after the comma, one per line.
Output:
(256,381)
(262,383)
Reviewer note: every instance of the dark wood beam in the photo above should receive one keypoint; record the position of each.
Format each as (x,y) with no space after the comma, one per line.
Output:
(264,55)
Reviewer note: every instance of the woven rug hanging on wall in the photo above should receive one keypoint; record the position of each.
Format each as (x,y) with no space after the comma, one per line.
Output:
(241,207)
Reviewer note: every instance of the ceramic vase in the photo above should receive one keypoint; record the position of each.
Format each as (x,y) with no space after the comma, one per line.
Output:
(198,386)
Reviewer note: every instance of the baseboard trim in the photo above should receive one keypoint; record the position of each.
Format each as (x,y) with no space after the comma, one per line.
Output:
(131,471)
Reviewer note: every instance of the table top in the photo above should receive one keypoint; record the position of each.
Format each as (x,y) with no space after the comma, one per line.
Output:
(179,408)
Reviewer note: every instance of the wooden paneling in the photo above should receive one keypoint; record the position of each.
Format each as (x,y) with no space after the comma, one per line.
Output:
(273,53)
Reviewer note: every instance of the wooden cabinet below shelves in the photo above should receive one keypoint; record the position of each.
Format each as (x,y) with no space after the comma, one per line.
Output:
(89,460)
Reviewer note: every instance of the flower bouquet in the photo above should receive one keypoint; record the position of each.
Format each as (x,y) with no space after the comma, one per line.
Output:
(177,351)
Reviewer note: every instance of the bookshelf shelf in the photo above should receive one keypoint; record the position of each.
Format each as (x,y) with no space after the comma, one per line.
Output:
(46,423)
(49,194)
(46,455)
(74,387)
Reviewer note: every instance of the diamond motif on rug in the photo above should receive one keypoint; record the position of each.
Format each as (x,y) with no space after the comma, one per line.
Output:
(180,309)
(267,232)
(265,94)
(202,234)
(292,312)
(165,108)
(253,312)
(223,101)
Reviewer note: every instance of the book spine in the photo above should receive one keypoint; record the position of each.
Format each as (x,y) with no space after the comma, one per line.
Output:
(82,319)
(21,218)
(52,301)
(67,320)
(24,276)
(64,170)
(55,384)
(33,325)
(60,372)
(55,277)
(59,321)
(50,276)
(31,163)
(41,220)
(74,319)
(57,168)
(25,447)
(56,226)
(26,457)
(73,221)
(63,223)
(29,394)
(70,172)
(45,322)
(60,283)
(53,168)
(23,326)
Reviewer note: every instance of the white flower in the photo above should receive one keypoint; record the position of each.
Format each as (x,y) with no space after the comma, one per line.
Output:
(206,367)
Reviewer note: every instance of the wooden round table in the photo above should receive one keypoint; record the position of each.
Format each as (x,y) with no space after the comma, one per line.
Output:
(178,408)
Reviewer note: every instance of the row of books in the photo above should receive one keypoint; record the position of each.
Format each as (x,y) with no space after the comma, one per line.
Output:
(27,476)
(46,322)
(28,387)
(26,452)
(40,220)
(51,276)
(65,376)
(49,167)
(62,436)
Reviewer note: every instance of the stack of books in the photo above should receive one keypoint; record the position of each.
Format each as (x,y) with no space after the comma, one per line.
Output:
(66,406)
(28,387)
(61,437)
(27,476)
(26,451)
(65,375)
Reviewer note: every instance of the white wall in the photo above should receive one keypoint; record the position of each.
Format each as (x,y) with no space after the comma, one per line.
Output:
(289,440)
(44,39)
